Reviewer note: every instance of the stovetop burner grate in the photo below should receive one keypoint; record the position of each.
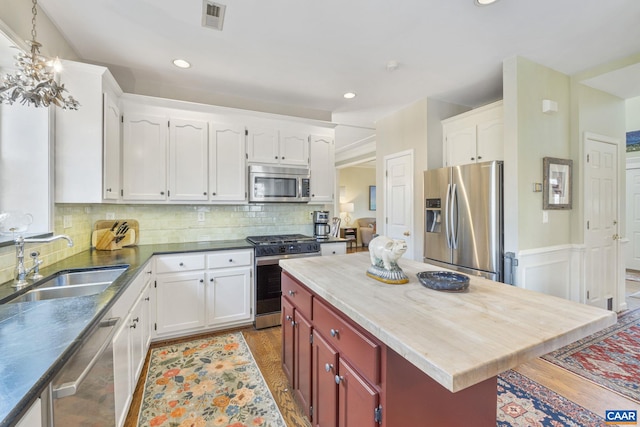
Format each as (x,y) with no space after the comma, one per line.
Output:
(279,239)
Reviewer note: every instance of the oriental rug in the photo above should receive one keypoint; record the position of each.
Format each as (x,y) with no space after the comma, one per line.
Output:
(610,358)
(524,402)
(213,381)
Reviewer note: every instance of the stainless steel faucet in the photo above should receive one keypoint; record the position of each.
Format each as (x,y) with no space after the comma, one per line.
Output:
(21,271)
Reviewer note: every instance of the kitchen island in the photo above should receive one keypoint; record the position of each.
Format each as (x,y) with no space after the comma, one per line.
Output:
(440,353)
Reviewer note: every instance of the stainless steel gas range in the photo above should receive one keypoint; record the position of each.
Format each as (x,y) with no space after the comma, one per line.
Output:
(269,250)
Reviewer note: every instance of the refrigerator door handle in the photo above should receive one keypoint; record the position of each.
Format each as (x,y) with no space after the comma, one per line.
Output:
(454,224)
(446,215)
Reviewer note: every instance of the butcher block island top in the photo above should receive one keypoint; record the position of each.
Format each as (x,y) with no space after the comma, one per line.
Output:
(457,339)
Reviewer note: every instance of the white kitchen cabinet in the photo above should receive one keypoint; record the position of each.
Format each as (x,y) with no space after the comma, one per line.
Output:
(278,147)
(227,163)
(475,136)
(229,296)
(337,248)
(87,140)
(322,168)
(144,157)
(188,162)
(131,341)
(180,302)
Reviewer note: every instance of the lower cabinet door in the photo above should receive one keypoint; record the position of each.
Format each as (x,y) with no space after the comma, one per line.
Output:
(302,370)
(228,296)
(180,302)
(357,399)
(287,340)
(325,390)
(122,380)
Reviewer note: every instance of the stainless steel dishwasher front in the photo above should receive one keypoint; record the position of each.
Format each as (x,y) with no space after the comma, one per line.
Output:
(83,391)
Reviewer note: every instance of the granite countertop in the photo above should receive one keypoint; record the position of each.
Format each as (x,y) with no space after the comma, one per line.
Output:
(38,337)
(458,339)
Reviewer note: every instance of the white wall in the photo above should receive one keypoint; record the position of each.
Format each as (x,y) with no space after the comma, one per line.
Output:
(356,181)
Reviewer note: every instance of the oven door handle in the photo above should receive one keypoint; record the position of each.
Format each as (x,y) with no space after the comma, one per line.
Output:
(70,388)
(275,259)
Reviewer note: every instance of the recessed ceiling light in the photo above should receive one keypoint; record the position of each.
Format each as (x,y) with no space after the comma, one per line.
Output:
(181,63)
(349,95)
(484,2)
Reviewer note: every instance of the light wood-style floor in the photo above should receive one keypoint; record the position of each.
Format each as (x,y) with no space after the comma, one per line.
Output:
(266,347)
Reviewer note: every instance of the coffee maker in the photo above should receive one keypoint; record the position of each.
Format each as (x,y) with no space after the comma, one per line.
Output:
(321,227)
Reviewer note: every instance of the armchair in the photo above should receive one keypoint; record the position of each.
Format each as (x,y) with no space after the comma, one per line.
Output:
(366,230)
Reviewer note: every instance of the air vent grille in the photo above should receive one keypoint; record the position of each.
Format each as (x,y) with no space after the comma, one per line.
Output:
(212,14)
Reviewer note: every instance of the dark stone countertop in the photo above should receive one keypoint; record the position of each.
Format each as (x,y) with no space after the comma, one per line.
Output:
(37,338)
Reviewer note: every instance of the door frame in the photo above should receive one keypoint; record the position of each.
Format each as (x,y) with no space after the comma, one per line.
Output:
(618,292)
(631,163)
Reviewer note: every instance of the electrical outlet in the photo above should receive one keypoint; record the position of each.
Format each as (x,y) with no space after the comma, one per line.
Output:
(110,215)
(66,220)
(200,216)
(545,217)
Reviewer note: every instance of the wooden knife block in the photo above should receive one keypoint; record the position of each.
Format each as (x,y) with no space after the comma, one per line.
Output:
(104,239)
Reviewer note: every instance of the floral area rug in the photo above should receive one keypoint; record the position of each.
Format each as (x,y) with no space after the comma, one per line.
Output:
(610,358)
(524,402)
(207,382)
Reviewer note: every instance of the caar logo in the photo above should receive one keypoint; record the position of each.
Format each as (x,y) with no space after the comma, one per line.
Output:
(621,417)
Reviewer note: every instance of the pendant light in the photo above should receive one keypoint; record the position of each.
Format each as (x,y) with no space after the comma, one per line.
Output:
(34,82)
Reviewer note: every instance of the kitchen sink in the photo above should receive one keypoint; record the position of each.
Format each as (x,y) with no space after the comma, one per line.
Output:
(66,284)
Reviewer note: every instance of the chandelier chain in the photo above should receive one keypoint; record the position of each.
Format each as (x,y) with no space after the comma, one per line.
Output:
(34,12)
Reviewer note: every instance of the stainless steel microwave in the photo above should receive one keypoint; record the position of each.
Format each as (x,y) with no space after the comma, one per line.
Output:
(278,184)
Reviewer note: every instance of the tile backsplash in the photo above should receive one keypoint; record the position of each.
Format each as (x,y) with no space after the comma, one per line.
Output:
(167,224)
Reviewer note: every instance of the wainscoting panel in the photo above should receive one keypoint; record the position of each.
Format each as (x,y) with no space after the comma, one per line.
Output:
(554,270)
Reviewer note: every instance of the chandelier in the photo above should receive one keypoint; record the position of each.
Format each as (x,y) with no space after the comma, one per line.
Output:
(34,82)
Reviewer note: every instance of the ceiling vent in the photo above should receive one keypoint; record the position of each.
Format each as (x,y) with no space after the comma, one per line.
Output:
(212,14)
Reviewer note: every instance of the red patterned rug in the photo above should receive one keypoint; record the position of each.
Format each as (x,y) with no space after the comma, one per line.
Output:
(610,358)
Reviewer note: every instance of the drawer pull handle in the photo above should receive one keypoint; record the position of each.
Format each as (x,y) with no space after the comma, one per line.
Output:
(292,293)
(146,299)
(328,367)
(133,325)
(137,319)
(339,379)
(334,333)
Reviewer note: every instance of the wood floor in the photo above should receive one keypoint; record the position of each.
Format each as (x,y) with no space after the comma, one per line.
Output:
(266,346)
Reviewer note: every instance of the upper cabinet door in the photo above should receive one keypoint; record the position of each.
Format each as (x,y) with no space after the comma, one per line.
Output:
(144,157)
(461,146)
(294,149)
(227,163)
(262,146)
(321,154)
(188,164)
(111,137)
(491,140)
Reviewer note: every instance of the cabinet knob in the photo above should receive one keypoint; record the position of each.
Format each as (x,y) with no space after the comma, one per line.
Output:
(334,252)
(288,318)
(406,233)
(334,333)
(133,326)
(204,194)
(211,280)
(230,259)
(276,157)
(146,299)
(473,158)
(282,157)
(136,320)
(292,293)
(293,323)
(339,379)
(150,272)
(479,157)
(162,193)
(108,190)
(328,367)
(201,280)
(213,194)
(181,264)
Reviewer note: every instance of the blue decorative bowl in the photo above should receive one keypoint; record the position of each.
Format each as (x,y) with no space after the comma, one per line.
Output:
(444,281)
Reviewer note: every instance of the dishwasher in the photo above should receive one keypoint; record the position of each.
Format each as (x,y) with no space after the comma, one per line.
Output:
(82,393)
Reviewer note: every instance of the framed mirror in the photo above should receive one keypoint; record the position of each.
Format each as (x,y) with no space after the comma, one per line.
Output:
(556,186)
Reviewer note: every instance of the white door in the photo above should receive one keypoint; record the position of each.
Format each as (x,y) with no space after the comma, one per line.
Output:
(633,217)
(398,199)
(601,214)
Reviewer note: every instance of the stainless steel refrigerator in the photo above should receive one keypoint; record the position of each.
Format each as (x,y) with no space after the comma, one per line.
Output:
(464,219)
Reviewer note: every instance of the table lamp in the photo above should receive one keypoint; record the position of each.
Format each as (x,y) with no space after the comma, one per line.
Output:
(347,208)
